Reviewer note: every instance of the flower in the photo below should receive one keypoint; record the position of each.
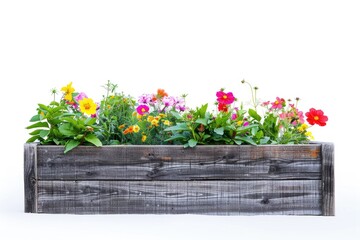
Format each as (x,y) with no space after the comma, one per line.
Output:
(161,93)
(234,116)
(168,101)
(303,127)
(278,104)
(264,104)
(121,126)
(222,107)
(309,135)
(155,122)
(167,122)
(68,90)
(142,109)
(316,117)
(80,96)
(87,106)
(136,128)
(143,138)
(150,118)
(225,98)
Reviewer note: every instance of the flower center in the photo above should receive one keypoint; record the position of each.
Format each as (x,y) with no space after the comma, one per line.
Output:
(316,118)
(276,102)
(143,110)
(224,97)
(87,106)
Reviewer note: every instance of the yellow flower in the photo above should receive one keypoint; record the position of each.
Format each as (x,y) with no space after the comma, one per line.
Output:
(239,123)
(150,118)
(136,128)
(303,127)
(167,122)
(139,116)
(309,135)
(162,115)
(134,114)
(157,118)
(143,138)
(87,106)
(155,123)
(68,90)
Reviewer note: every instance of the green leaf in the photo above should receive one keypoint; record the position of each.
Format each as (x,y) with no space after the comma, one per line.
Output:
(178,127)
(115,142)
(33,138)
(67,130)
(91,138)
(265,140)
(202,110)
(176,115)
(35,118)
(202,121)
(57,142)
(43,107)
(71,145)
(254,114)
(175,137)
(38,125)
(192,143)
(36,132)
(245,139)
(259,134)
(238,142)
(44,133)
(219,131)
(90,121)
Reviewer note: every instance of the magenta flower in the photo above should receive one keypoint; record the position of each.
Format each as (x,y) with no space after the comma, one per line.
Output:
(225,98)
(278,104)
(234,116)
(80,96)
(142,109)
(246,124)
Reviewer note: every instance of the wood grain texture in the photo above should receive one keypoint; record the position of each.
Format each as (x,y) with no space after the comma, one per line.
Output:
(279,197)
(177,163)
(30,178)
(328,188)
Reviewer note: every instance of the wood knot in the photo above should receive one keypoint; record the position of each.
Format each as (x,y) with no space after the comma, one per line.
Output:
(274,169)
(265,201)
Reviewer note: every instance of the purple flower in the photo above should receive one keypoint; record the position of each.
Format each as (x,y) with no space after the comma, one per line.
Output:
(246,124)
(233,116)
(80,96)
(168,101)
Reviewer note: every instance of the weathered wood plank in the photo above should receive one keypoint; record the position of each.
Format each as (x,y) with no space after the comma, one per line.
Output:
(30,183)
(300,197)
(328,188)
(177,163)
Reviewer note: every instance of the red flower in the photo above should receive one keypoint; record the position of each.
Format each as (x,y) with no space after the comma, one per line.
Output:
(225,98)
(316,117)
(223,107)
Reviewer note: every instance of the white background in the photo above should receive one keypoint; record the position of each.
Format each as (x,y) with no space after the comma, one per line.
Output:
(306,49)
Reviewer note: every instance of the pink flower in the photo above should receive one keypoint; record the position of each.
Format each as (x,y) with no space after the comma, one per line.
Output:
(80,96)
(142,109)
(264,104)
(225,98)
(246,124)
(278,104)
(234,116)
(168,101)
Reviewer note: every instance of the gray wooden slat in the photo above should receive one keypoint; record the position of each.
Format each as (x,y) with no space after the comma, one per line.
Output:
(299,197)
(30,183)
(177,163)
(328,181)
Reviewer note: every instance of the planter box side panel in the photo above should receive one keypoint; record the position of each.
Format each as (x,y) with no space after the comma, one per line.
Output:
(177,163)
(300,197)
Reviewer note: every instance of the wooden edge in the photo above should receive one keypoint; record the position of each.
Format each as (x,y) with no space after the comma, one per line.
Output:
(30,178)
(327,179)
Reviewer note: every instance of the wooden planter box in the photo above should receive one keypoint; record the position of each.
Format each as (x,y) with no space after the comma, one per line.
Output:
(215,180)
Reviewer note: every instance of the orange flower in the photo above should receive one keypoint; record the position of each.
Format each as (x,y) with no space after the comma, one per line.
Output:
(121,126)
(161,93)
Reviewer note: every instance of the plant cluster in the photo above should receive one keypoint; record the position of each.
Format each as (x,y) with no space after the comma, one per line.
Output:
(158,118)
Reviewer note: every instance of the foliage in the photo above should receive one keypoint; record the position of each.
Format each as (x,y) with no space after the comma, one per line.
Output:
(158,119)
